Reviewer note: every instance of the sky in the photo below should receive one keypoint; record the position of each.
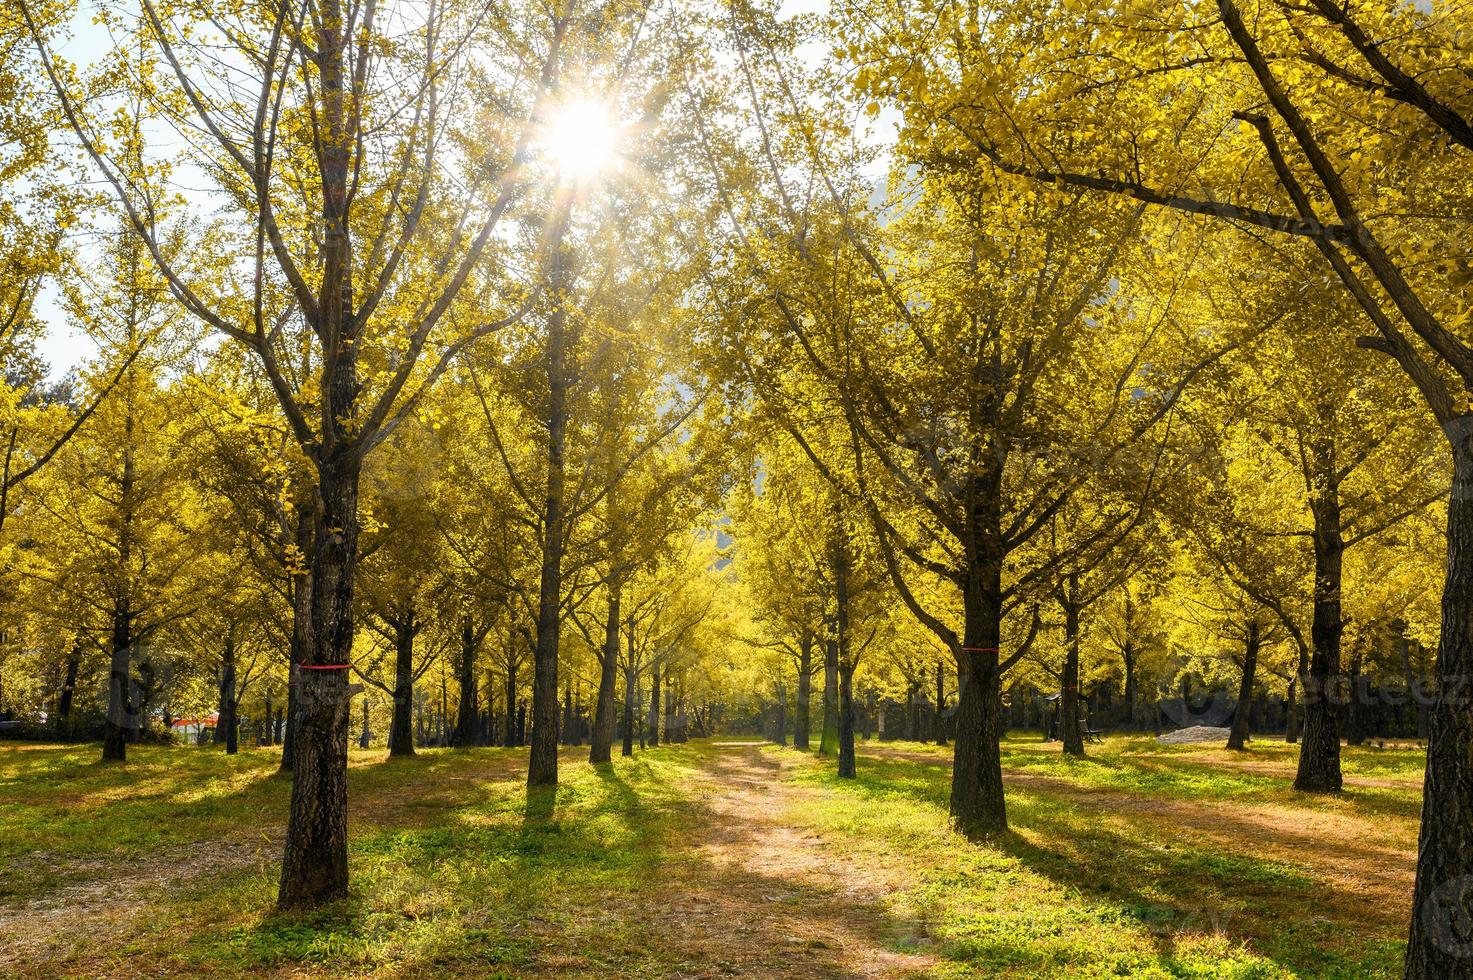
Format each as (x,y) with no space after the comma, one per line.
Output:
(63,347)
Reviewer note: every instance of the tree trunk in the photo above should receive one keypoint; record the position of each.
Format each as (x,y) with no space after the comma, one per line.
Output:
(227,722)
(1319,753)
(119,707)
(314,869)
(653,722)
(938,732)
(120,719)
(976,803)
(601,744)
(1073,738)
(843,653)
(629,708)
(489,719)
(401,728)
(465,715)
(1238,736)
(781,735)
(828,740)
(69,684)
(801,714)
(542,763)
(509,737)
(301,638)
(1291,713)
(846,721)
(1441,941)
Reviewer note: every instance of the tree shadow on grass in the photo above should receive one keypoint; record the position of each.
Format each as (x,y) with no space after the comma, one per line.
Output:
(609,774)
(1176,780)
(170,804)
(476,889)
(617,879)
(539,807)
(1391,801)
(1148,857)
(1175,884)
(626,888)
(1009,940)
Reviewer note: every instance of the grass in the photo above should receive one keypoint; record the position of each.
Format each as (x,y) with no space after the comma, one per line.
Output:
(454,868)
(710,859)
(1145,860)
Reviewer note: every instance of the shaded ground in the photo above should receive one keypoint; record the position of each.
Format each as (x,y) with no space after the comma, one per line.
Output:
(1216,841)
(1368,859)
(708,860)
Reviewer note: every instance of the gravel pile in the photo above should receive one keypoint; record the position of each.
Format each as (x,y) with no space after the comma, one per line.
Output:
(1197,733)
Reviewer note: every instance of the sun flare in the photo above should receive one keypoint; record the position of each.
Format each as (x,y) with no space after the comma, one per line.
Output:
(581,140)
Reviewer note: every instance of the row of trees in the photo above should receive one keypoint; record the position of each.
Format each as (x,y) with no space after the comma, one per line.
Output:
(1131,347)
(1325,132)
(434,385)
(1036,371)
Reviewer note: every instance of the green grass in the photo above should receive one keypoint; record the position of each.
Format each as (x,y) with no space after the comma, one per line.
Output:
(453,867)
(476,888)
(1098,878)
(1143,861)
(1264,774)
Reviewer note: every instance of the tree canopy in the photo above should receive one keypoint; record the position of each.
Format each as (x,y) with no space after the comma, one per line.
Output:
(611,372)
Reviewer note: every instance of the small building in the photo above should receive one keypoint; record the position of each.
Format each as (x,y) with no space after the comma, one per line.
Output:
(196,731)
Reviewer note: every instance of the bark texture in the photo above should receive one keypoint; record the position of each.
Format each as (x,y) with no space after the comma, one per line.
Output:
(1238,735)
(1319,753)
(1441,940)
(801,713)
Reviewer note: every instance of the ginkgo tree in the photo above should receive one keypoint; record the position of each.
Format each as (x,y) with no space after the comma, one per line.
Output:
(360,225)
(240,451)
(1336,124)
(123,524)
(39,204)
(778,567)
(978,377)
(526,361)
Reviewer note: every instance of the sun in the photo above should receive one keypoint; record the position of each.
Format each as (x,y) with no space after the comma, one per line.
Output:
(581,140)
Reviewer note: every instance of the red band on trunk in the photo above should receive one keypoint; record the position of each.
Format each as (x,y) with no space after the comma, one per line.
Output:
(324,666)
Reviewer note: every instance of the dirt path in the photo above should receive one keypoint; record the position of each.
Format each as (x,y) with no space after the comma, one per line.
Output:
(746,894)
(742,889)
(777,902)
